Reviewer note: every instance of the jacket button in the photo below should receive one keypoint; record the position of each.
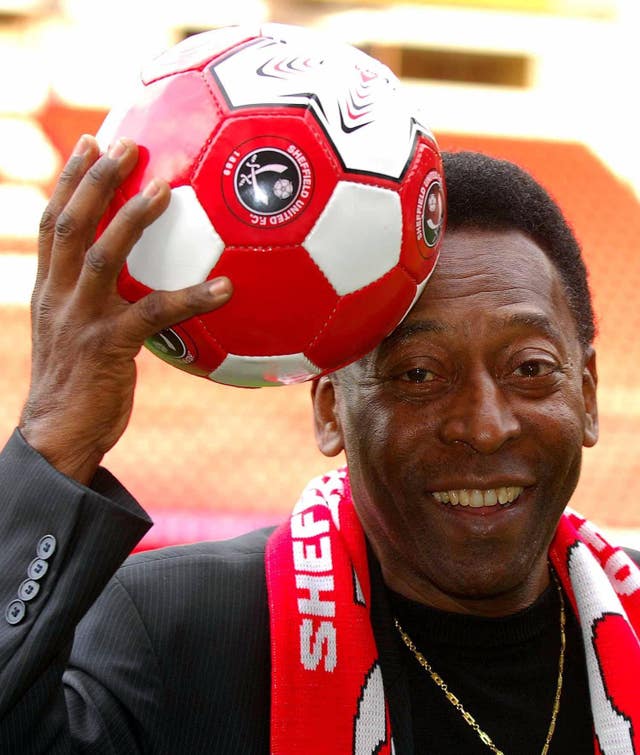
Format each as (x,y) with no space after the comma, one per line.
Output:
(37,568)
(46,547)
(15,612)
(28,590)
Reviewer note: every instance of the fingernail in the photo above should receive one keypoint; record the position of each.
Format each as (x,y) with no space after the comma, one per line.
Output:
(117,149)
(220,288)
(82,146)
(151,189)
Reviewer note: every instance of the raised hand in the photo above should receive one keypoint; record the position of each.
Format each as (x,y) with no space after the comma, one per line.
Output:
(85,336)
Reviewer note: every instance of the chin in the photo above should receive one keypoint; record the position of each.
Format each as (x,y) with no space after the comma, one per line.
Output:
(490,578)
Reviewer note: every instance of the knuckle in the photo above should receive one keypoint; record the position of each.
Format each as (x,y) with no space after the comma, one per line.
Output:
(152,309)
(39,297)
(96,259)
(69,173)
(65,225)
(131,217)
(100,173)
(38,306)
(48,221)
(128,213)
(46,305)
(193,298)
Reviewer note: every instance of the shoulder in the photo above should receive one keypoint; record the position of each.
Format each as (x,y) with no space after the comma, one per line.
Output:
(182,569)
(205,581)
(248,547)
(208,589)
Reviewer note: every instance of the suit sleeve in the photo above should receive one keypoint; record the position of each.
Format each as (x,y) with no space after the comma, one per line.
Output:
(61,544)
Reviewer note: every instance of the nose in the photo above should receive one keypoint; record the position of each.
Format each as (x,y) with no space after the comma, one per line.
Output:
(479,415)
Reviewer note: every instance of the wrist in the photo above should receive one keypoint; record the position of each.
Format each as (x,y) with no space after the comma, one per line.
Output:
(76,460)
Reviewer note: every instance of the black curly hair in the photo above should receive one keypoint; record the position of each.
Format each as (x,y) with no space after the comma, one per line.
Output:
(491,194)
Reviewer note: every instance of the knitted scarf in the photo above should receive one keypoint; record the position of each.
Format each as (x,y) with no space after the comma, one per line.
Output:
(327,692)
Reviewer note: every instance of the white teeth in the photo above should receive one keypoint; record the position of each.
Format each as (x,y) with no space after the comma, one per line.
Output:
(479,498)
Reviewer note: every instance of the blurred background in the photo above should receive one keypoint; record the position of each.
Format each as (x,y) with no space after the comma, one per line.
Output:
(549,84)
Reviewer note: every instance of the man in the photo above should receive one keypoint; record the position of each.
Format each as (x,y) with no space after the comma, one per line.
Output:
(463,433)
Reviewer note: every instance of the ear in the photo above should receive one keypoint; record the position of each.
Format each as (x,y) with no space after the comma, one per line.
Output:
(325,416)
(589,385)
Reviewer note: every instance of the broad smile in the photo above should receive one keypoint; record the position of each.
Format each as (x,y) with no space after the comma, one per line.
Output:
(475,498)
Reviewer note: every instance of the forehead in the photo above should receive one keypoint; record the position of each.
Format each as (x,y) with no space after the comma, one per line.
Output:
(486,276)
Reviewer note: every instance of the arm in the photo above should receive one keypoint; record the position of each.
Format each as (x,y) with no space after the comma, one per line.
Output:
(93,531)
(85,339)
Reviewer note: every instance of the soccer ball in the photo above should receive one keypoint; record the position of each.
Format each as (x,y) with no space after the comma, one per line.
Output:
(297,169)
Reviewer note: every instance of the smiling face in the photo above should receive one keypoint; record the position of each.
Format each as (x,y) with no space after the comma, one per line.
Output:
(464,429)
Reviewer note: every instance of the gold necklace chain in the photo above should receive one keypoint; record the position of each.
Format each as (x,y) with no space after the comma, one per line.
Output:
(470,720)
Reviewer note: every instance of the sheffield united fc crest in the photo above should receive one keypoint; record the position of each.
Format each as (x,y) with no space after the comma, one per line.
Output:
(267,181)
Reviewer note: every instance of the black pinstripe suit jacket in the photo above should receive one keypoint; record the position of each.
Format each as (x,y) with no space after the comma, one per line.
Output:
(174,655)
(172,658)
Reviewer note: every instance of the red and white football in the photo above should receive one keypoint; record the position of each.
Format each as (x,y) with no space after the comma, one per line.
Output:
(299,170)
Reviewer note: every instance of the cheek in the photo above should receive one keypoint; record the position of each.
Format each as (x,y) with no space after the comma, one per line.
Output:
(562,423)
(366,424)
(384,441)
(559,436)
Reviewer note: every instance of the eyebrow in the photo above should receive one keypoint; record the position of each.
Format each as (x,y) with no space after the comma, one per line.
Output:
(531,320)
(406,330)
(534,321)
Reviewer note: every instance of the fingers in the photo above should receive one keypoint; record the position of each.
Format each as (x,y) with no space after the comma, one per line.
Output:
(84,154)
(105,258)
(161,309)
(77,220)
(83,273)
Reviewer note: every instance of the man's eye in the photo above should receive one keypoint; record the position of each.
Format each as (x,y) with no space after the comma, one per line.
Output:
(418,375)
(534,368)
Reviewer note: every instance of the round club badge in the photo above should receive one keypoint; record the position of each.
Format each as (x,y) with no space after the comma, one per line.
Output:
(267,181)
(430,209)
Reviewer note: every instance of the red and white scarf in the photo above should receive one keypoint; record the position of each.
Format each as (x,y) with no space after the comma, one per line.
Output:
(327,692)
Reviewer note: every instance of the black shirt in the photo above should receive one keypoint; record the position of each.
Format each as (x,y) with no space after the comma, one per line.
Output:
(504,671)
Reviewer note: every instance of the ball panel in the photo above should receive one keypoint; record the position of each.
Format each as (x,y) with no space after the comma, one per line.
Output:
(169,145)
(179,249)
(423,207)
(280,300)
(270,71)
(367,122)
(237,178)
(196,51)
(111,127)
(258,372)
(367,220)
(362,319)
(129,288)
